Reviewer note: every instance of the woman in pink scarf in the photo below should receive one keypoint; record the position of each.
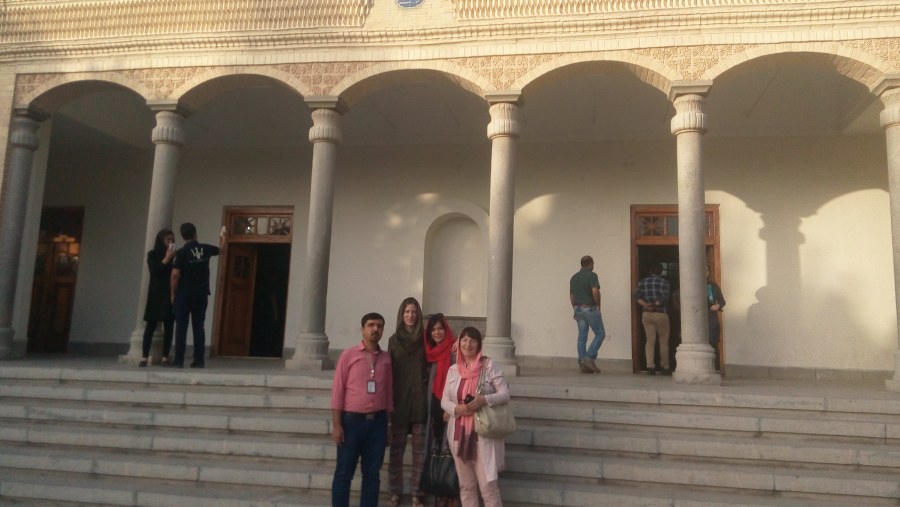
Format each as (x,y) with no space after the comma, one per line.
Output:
(439,348)
(478,459)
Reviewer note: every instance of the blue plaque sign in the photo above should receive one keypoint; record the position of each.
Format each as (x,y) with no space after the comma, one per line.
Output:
(408,3)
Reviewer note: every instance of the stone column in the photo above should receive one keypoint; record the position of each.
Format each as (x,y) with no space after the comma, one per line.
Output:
(695,356)
(311,346)
(890,121)
(23,141)
(168,136)
(503,131)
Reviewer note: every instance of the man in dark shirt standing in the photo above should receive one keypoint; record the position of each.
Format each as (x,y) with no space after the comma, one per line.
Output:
(190,293)
(584,294)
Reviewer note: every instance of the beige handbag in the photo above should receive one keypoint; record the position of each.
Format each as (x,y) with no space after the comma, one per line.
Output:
(495,421)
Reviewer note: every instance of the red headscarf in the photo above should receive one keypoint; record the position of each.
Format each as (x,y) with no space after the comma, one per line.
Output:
(439,354)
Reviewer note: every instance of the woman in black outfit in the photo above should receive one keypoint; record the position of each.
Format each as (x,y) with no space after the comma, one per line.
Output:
(159,304)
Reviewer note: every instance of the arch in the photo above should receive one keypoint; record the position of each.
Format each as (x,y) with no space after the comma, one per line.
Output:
(452,283)
(203,87)
(647,70)
(50,95)
(370,79)
(855,64)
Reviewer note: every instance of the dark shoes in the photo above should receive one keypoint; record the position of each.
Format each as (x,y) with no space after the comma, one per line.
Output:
(198,365)
(659,371)
(176,364)
(651,371)
(143,363)
(588,365)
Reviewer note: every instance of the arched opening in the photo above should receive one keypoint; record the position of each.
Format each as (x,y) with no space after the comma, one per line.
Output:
(455,269)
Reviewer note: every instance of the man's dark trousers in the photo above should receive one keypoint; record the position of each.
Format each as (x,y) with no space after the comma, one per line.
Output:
(193,307)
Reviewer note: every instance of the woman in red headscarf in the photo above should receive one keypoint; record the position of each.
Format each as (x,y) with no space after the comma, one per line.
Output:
(440,352)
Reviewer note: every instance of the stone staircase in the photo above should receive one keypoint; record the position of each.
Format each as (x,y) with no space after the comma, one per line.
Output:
(107,435)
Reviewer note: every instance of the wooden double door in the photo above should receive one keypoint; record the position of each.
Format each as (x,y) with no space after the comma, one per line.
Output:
(253,283)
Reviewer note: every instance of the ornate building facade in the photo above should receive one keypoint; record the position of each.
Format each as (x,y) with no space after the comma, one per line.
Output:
(468,153)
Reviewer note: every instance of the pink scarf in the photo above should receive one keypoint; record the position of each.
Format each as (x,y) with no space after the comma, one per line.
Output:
(464,436)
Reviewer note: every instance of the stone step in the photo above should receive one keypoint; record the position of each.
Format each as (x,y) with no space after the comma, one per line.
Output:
(42,488)
(309,422)
(315,473)
(155,395)
(875,427)
(761,479)
(220,434)
(91,489)
(635,391)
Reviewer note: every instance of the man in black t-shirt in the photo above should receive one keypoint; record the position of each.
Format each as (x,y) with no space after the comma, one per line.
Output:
(190,294)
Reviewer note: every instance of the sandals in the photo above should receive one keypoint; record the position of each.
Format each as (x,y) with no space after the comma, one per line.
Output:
(417,501)
(395,500)
(143,363)
(164,362)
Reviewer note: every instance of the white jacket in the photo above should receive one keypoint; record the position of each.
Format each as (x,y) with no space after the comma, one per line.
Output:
(491,452)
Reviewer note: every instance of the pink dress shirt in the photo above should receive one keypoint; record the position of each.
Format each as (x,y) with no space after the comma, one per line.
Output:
(355,368)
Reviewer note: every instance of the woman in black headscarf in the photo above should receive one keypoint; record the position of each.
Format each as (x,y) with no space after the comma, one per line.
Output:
(410,383)
(159,303)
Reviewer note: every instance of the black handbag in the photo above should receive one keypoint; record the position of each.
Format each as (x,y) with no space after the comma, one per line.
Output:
(439,473)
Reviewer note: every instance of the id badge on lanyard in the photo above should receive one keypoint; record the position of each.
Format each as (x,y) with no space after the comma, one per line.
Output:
(370,386)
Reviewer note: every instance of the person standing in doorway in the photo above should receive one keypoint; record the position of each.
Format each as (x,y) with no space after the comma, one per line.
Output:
(361,405)
(584,295)
(190,293)
(653,295)
(715,304)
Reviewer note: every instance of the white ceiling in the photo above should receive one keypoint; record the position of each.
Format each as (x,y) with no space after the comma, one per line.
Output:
(786,95)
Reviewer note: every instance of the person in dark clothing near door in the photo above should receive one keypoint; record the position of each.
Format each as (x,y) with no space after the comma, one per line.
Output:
(190,293)
(715,303)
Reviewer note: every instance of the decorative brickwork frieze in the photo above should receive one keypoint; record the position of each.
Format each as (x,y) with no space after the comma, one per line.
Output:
(321,78)
(693,61)
(503,71)
(26,84)
(163,82)
(888,50)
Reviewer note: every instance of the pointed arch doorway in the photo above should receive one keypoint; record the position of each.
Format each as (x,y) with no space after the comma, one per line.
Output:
(654,240)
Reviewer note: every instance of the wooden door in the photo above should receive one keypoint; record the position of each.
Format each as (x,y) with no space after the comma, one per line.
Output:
(654,237)
(55,275)
(237,316)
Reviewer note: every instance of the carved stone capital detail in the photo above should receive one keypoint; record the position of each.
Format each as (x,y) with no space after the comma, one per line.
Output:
(326,126)
(169,128)
(23,133)
(689,115)
(890,115)
(505,121)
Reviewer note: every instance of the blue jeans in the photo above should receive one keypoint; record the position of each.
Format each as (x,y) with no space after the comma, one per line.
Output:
(589,316)
(363,438)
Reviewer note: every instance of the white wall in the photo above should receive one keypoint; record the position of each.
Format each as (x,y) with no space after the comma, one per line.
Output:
(806,254)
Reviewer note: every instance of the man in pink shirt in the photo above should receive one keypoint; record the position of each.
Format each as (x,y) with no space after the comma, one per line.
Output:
(362,398)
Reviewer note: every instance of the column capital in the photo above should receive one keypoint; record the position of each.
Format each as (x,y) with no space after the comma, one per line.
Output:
(23,133)
(169,128)
(326,102)
(505,120)
(689,115)
(326,126)
(890,115)
(679,88)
